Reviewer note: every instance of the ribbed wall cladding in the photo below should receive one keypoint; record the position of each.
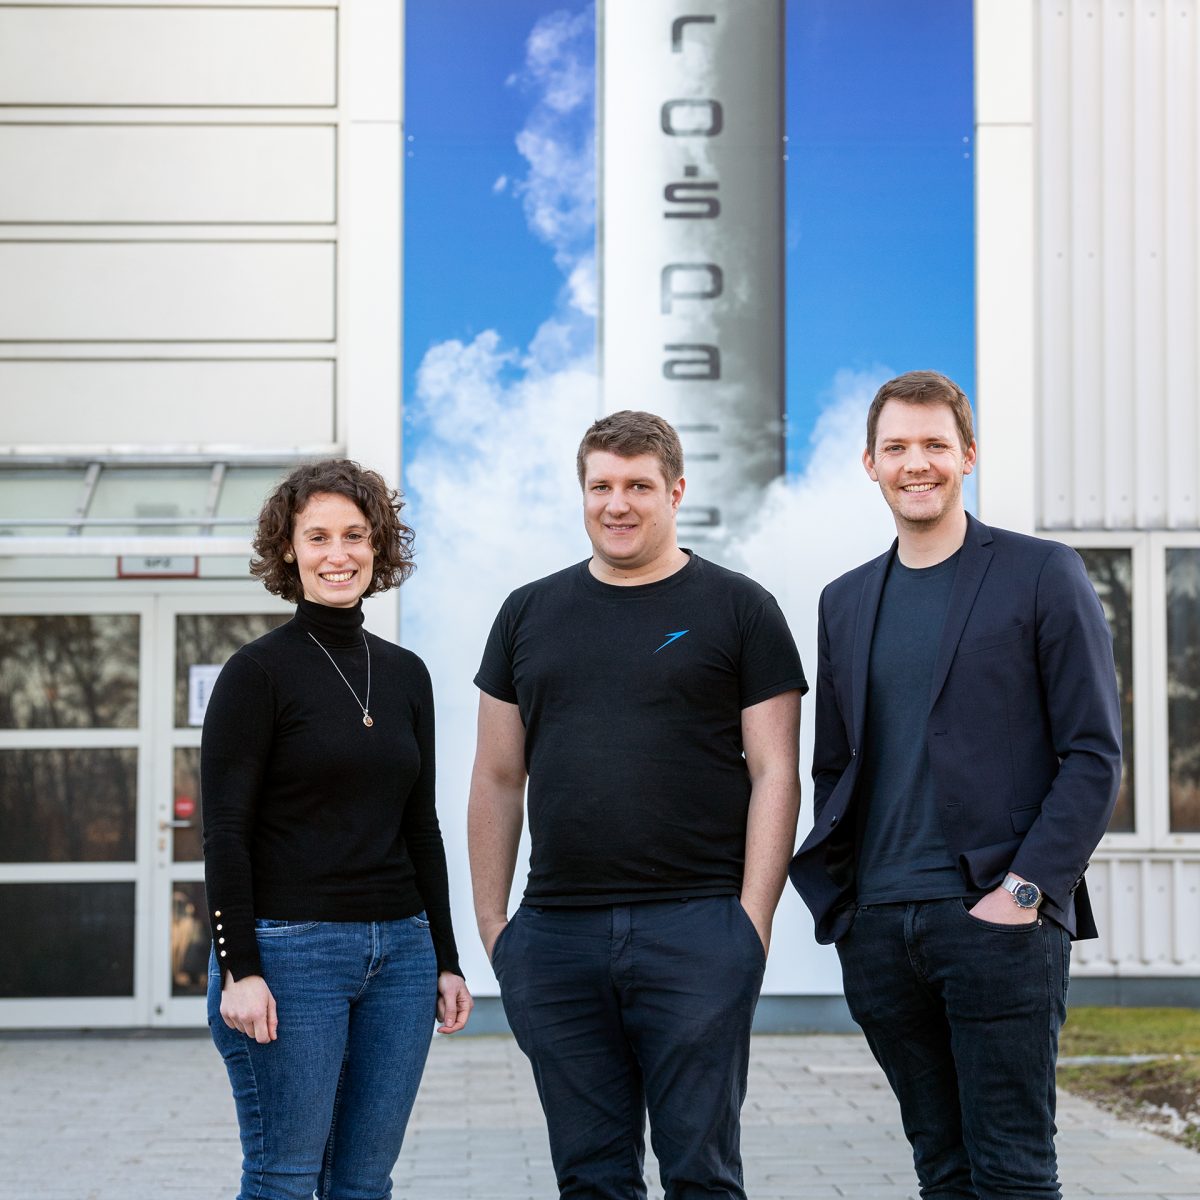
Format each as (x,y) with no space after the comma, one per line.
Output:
(1116,126)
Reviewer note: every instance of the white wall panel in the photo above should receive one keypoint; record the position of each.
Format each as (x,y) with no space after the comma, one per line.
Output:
(1118,417)
(1054,212)
(167,173)
(166,291)
(1004,335)
(1003,62)
(1148,911)
(181,403)
(1005,255)
(1116,94)
(1149,452)
(167,56)
(1179,266)
(1085,430)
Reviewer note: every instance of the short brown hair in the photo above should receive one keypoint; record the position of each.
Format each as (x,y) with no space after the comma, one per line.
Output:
(923,387)
(629,434)
(391,539)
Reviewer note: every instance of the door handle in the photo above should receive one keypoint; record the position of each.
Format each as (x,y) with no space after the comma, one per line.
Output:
(163,826)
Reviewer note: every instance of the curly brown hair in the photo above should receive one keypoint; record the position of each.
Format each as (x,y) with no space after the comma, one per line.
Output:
(391,539)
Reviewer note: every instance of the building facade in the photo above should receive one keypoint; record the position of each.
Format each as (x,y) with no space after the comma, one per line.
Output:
(200,282)
(1087,318)
(199,286)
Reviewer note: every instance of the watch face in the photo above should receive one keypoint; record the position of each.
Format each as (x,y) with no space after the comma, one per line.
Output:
(1027,895)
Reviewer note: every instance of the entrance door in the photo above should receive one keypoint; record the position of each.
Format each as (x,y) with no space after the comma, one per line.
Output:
(102,909)
(196,635)
(75,757)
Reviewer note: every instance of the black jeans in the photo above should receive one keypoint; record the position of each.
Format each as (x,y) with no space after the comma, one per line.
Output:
(629,1008)
(964,1016)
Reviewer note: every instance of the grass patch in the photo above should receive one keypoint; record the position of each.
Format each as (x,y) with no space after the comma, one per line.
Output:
(1163,1095)
(1131,1031)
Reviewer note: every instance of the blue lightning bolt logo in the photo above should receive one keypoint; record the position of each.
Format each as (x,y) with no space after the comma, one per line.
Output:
(670,638)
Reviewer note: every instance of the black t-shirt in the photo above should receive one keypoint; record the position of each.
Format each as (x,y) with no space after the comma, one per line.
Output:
(632,700)
(902,852)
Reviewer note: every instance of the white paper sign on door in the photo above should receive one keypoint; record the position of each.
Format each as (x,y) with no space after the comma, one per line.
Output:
(201,677)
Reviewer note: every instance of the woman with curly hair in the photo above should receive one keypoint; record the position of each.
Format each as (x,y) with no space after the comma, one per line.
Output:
(324,864)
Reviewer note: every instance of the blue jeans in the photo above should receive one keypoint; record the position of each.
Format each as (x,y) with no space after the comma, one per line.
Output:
(629,1008)
(324,1107)
(964,1016)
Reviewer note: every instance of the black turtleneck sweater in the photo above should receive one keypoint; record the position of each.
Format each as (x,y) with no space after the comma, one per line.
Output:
(308,814)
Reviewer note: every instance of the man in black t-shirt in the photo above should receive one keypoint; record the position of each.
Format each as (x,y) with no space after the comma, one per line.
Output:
(652,699)
(966,760)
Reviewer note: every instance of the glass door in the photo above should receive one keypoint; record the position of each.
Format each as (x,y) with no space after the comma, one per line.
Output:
(197,633)
(75,756)
(102,910)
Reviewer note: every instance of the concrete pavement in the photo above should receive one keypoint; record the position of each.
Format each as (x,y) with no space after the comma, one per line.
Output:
(150,1118)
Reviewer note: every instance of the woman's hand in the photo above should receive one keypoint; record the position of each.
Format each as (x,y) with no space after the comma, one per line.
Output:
(454,1002)
(248,1006)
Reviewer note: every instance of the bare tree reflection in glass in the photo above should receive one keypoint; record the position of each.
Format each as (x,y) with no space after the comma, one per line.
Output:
(1111,573)
(67,805)
(210,639)
(1183,687)
(69,671)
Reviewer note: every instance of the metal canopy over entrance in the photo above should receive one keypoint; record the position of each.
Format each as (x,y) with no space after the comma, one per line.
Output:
(117,506)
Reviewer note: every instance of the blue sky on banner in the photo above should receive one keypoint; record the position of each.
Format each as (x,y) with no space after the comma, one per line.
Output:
(500,188)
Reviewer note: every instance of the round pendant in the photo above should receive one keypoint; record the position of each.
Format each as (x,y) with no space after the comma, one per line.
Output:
(367,721)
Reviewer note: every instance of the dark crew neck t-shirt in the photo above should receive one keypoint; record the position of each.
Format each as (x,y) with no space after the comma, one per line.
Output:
(632,700)
(902,851)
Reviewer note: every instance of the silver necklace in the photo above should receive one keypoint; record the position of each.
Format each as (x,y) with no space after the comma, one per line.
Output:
(367,721)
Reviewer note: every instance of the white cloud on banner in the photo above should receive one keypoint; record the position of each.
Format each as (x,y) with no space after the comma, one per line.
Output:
(496,504)
(830,518)
(558,142)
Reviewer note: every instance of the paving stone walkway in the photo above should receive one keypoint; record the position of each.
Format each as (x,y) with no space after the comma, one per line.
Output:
(149,1118)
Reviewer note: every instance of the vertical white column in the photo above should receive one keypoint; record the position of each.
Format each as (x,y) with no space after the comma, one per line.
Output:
(370,271)
(691,232)
(1005,313)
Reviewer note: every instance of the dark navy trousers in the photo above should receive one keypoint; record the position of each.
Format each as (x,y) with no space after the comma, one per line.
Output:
(964,1017)
(631,1009)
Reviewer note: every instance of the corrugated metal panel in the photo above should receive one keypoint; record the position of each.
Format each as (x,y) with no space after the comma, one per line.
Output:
(1116,126)
(1148,909)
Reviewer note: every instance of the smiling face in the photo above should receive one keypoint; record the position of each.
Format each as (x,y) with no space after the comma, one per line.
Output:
(332,544)
(629,512)
(919,464)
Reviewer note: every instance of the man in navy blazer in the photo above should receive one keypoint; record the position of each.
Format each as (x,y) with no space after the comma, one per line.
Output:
(967,759)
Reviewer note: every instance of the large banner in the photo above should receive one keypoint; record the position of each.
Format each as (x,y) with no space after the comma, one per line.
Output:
(745,214)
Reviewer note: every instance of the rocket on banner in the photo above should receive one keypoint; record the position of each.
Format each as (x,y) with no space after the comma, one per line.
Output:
(691,240)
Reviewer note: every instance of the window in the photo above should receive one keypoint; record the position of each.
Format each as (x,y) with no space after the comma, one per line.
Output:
(1111,572)
(1182,604)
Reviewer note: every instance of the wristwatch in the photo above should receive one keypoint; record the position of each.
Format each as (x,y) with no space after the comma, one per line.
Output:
(1026,895)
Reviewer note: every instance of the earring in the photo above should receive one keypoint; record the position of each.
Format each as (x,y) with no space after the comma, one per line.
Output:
(288,556)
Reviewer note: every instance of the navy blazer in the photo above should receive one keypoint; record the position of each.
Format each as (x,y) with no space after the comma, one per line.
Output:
(1024,729)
